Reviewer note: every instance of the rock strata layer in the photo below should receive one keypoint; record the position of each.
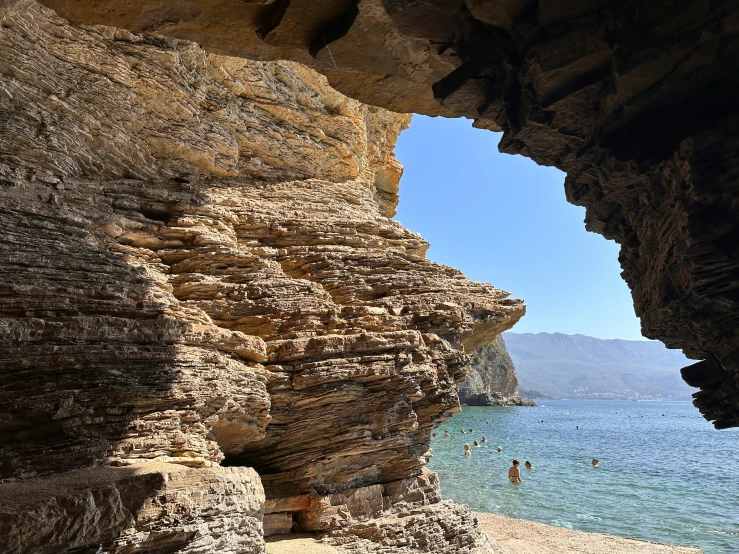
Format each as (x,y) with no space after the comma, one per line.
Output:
(491,378)
(635,100)
(198,270)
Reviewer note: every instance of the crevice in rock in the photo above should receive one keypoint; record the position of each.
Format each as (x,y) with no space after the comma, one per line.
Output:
(334,29)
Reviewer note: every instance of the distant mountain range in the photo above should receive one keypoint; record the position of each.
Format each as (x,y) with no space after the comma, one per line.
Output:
(577,366)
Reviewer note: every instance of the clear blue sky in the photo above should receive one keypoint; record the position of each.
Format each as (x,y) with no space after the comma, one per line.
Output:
(504,220)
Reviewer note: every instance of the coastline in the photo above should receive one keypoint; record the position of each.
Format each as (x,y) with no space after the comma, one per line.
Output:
(520,536)
(514,536)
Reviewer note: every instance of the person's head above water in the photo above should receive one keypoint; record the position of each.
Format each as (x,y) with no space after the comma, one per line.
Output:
(470,430)
(476,443)
(516,462)
(595,462)
(433,435)
(484,439)
(500,449)
(528,464)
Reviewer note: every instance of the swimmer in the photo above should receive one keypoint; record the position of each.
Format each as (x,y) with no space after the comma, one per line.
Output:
(470,430)
(577,426)
(446,433)
(484,439)
(467,451)
(433,435)
(595,462)
(528,465)
(500,449)
(514,473)
(486,422)
(462,431)
(476,443)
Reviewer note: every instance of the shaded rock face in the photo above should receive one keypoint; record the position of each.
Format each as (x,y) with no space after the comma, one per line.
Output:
(635,100)
(491,378)
(198,269)
(150,507)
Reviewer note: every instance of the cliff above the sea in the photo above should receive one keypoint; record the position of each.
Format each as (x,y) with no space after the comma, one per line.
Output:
(491,378)
(211,329)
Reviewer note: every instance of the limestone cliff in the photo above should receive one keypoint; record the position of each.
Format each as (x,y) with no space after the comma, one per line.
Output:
(491,378)
(636,100)
(198,270)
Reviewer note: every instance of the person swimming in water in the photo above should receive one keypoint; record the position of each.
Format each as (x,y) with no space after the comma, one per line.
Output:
(528,465)
(446,433)
(595,462)
(470,430)
(499,449)
(514,473)
(484,439)
(476,443)
(486,422)
(467,451)
(433,435)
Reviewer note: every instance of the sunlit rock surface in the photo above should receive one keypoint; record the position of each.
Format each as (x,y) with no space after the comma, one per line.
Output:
(198,269)
(635,100)
(491,378)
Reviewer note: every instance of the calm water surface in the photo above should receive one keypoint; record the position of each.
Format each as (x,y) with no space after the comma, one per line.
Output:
(666,478)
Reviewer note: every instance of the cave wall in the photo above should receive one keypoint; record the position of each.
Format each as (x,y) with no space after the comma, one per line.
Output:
(199,271)
(636,100)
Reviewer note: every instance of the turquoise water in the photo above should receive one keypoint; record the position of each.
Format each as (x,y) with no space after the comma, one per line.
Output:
(666,478)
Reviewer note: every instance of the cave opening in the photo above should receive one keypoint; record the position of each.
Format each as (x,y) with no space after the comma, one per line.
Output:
(505,220)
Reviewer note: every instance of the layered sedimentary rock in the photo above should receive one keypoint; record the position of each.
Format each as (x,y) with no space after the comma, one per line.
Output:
(636,100)
(150,507)
(198,270)
(491,378)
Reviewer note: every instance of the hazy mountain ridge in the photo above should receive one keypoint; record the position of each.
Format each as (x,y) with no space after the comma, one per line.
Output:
(578,366)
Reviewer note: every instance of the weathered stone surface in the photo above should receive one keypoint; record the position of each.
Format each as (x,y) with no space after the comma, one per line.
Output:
(491,378)
(198,268)
(149,507)
(636,101)
(405,515)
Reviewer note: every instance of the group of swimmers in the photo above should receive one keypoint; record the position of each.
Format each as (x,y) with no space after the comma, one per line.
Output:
(514,472)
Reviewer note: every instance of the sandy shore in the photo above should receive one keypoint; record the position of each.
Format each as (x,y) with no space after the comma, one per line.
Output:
(518,536)
(298,544)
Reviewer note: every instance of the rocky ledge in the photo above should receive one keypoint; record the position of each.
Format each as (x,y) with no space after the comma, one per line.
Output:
(199,271)
(497,399)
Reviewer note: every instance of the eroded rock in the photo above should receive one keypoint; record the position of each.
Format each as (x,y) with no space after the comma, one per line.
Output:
(635,100)
(198,268)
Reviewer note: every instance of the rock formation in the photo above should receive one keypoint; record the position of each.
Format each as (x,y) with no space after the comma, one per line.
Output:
(636,100)
(491,378)
(198,271)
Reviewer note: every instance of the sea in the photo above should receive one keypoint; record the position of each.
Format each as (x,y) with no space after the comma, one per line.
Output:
(664,474)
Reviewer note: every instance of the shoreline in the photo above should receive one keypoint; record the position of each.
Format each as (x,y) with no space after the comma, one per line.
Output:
(521,536)
(513,536)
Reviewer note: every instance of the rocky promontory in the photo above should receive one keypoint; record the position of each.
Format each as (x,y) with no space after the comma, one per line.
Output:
(491,378)
(211,329)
